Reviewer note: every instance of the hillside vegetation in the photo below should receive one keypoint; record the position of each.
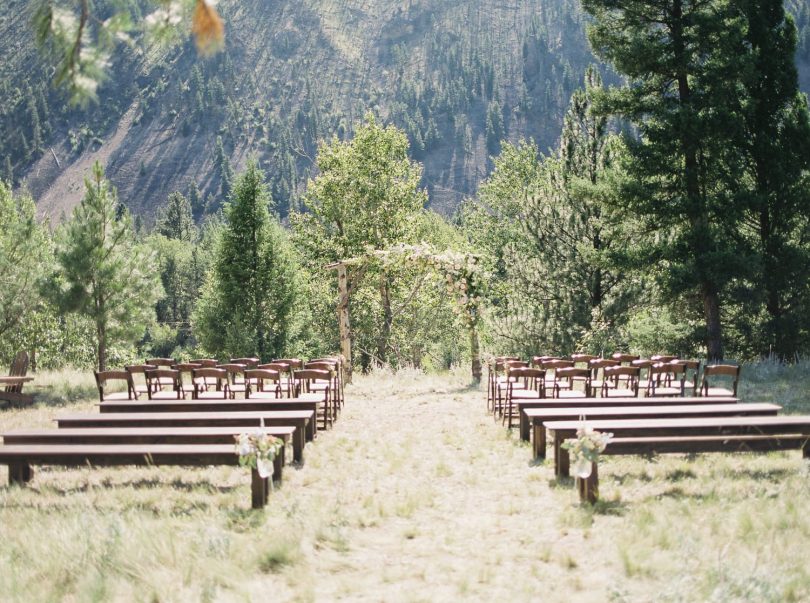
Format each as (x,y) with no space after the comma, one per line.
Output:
(457,77)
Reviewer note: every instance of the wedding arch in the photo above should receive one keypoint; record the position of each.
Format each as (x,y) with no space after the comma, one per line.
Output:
(464,280)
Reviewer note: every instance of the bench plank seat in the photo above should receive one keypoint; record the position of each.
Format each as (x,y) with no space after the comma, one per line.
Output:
(682,427)
(589,487)
(156,406)
(525,424)
(19,458)
(539,416)
(144,435)
(302,420)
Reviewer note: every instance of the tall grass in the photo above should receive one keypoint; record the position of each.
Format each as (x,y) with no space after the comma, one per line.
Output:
(415,495)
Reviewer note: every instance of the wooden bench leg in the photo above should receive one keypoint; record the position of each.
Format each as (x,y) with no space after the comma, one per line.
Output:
(278,467)
(561,457)
(298,443)
(525,428)
(539,441)
(806,450)
(19,474)
(258,490)
(589,487)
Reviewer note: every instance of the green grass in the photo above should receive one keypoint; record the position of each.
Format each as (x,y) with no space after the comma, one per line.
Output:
(415,495)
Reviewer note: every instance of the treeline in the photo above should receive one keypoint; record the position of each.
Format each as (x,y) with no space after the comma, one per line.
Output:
(672,216)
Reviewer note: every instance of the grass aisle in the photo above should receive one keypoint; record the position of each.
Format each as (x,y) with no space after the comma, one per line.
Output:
(415,495)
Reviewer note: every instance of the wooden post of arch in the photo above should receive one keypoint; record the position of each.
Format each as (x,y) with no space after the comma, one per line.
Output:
(343,318)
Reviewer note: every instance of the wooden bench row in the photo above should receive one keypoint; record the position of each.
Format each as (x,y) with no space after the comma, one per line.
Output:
(175,432)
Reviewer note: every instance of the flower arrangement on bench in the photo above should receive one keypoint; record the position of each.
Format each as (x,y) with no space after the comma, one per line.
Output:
(585,449)
(257,450)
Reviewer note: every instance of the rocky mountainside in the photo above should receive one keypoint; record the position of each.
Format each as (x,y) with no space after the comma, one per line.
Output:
(457,76)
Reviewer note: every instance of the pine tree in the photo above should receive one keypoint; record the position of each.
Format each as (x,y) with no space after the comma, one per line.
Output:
(679,57)
(102,273)
(8,171)
(174,220)
(24,252)
(195,198)
(223,163)
(250,296)
(776,145)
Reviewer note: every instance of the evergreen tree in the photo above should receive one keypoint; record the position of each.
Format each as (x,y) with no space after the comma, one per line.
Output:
(678,57)
(195,198)
(24,252)
(174,220)
(223,164)
(249,298)
(102,273)
(8,171)
(776,145)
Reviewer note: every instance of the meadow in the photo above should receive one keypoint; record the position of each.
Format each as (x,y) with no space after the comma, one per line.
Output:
(415,495)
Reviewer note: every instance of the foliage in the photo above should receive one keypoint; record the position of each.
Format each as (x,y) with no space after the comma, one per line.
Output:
(24,257)
(365,198)
(679,59)
(586,448)
(775,146)
(102,272)
(175,219)
(547,223)
(249,299)
(81,42)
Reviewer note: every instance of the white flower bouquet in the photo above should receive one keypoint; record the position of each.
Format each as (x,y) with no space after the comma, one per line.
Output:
(257,450)
(585,449)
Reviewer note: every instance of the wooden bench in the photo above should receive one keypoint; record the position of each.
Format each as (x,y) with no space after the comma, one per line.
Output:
(525,424)
(784,425)
(20,458)
(302,420)
(589,487)
(539,416)
(156,406)
(146,435)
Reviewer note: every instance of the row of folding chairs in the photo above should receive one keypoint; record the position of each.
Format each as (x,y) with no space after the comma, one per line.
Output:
(207,379)
(622,375)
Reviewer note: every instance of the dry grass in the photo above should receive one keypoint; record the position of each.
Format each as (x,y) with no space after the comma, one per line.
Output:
(416,495)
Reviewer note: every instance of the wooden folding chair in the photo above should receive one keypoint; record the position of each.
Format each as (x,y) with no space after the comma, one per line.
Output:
(236,378)
(551,366)
(564,377)
(709,385)
(203,378)
(623,358)
(157,379)
(263,384)
(692,379)
(531,382)
(140,369)
(620,381)
(502,383)
(251,362)
(597,367)
(162,362)
(303,381)
(105,377)
(665,379)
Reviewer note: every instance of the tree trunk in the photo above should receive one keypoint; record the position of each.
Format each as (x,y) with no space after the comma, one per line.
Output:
(698,220)
(385,334)
(711,313)
(101,334)
(343,321)
(475,354)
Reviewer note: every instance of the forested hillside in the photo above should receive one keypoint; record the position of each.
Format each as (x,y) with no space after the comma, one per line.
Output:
(457,77)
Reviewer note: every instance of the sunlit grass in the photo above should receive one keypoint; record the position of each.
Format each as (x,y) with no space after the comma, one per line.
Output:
(416,494)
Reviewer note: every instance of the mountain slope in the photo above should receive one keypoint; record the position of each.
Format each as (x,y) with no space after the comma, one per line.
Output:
(458,77)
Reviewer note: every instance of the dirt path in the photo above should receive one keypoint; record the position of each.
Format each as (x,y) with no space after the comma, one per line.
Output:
(419,495)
